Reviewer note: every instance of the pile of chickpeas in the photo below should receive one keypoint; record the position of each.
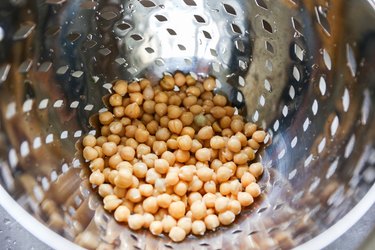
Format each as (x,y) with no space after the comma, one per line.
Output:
(175,158)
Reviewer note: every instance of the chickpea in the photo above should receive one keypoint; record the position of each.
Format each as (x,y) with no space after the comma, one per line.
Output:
(246,179)
(164,200)
(111,202)
(203,154)
(205,133)
(161,166)
(226,217)
(89,140)
(225,188)
(235,207)
(245,199)
(180,188)
(177,209)
(175,126)
(217,142)
(198,209)
(198,227)
(97,164)
(171,179)
(184,142)
(89,153)
(96,178)
(210,187)
(168,223)
(146,190)
(205,174)
(182,155)
(221,204)
(187,119)
(172,144)
(156,227)
(105,190)
(150,205)
(149,218)
(234,144)
(148,93)
(212,221)
(127,153)
(106,118)
(123,178)
(134,87)
(121,87)
(219,100)
(167,82)
(133,195)
(253,189)
(218,112)
(141,135)
(122,213)
(195,185)
(162,134)
(240,158)
(185,223)
(136,221)
(174,111)
(152,175)
(256,169)
(188,131)
(177,234)
(259,136)
(195,146)
(223,174)
(209,84)
(132,110)
(253,144)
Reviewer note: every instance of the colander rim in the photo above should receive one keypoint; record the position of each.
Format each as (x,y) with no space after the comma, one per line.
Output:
(56,241)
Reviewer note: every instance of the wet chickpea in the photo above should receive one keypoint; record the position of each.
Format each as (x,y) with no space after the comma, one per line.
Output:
(168,223)
(111,202)
(188,131)
(106,117)
(180,188)
(177,209)
(89,140)
(132,110)
(121,87)
(159,147)
(150,205)
(187,119)
(161,109)
(253,144)
(136,221)
(105,189)
(209,84)
(148,93)
(164,121)
(203,154)
(89,153)
(240,158)
(134,87)
(161,166)
(210,187)
(146,190)
(253,189)
(175,126)
(171,179)
(185,223)
(245,199)
(177,234)
(198,227)
(234,144)
(149,107)
(182,155)
(151,176)
(193,90)
(198,209)
(217,142)
(174,100)
(96,178)
(167,82)
(127,153)
(149,218)
(259,136)
(156,227)
(236,125)
(122,213)
(226,217)
(174,111)
(247,178)
(179,79)
(184,142)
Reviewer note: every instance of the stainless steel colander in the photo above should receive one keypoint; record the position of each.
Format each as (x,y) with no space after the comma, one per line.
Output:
(304,70)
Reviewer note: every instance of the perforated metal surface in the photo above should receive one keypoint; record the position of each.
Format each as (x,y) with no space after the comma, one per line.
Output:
(304,70)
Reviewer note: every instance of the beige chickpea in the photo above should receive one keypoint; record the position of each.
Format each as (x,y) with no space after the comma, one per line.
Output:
(179,79)
(180,188)
(246,179)
(177,209)
(186,119)
(223,174)
(212,221)
(142,149)
(111,202)
(177,234)
(134,87)
(209,200)
(150,205)
(138,209)
(186,173)
(169,157)
(221,204)
(136,221)
(217,112)
(253,144)
(96,178)
(205,133)
(234,144)
(209,84)
(133,195)
(198,209)
(171,179)
(167,83)
(152,175)
(106,118)
(185,223)
(89,153)
(237,125)
(109,148)
(148,93)
(226,217)
(123,178)
(159,147)
(256,169)
(235,186)
(259,136)
(105,190)
(162,134)
(245,199)
(253,189)
(89,140)
(174,111)
(217,142)
(168,223)
(205,174)
(161,166)
(182,155)
(136,98)
(225,188)
(97,164)
(172,144)
(235,207)
(121,87)
(127,153)
(161,109)
(240,158)
(148,219)
(210,187)
(122,213)
(198,227)
(203,154)
(175,126)
(132,110)
(195,185)
(219,100)
(141,135)
(115,100)
(146,190)
(156,227)
(164,200)
(184,142)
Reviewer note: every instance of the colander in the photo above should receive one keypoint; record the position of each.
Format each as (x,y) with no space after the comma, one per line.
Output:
(303,70)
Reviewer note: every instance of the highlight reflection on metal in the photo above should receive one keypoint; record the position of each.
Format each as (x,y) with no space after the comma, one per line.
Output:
(303,70)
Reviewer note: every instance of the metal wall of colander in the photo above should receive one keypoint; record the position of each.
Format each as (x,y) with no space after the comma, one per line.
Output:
(303,70)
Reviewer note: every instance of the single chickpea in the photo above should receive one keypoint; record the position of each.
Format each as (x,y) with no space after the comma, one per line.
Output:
(156,227)
(210,187)
(148,93)
(136,98)
(163,134)
(122,214)
(168,223)
(198,227)
(235,207)
(167,82)
(225,188)
(253,189)
(226,217)
(217,142)
(221,204)
(175,126)
(121,87)
(96,178)
(212,222)
(171,179)
(240,158)
(89,140)
(109,148)
(249,152)
(149,159)
(160,186)
(196,145)
(149,107)
(177,234)
(186,118)
(195,185)
(146,190)
(209,84)
(106,118)
(203,154)
(180,188)
(138,209)
(130,131)
(245,199)
(237,125)
(194,196)
(174,100)
(141,135)
(97,164)
(132,110)
(161,166)
(198,209)
(177,209)
(247,178)
(142,149)
(115,100)
(133,195)
(218,112)
(234,144)
(205,174)
(161,109)
(174,112)
(127,153)
(179,79)
(209,200)
(150,205)
(159,147)
(219,100)
(225,122)
(164,200)
(259,136)
(182,155)
(185,223)
(241,169)
(123,179)
(135,182)
(172,144)
(188,131)
(100,140)
(205,133)
(189,101)
(134,87)
(186,173)
(105,190)
(256,169)
(89,153)
(111,202)
(136,221)
(119,111)
(223,174)
(227,132)
(131,143)
(184,142)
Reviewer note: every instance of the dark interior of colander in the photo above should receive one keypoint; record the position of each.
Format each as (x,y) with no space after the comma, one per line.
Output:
(303,70)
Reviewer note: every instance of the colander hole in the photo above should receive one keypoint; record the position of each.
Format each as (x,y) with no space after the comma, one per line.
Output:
(322,19)
(207,34)
(229,9)
(292,174)
(77,74)
(62,70)
(88,107)
(327,59)
(297,26)
(239,45)
(350,146)
(365,110)
(147,3)
(276,125)
(296,74)
(25,66)
(49,138)
(269,65)
(292,92)
(64,135)
(58,104)
(37,142)
(281,154)
(190,2)
(104,52)
(74,104)
(352,64)
(123,26)
(314,184)
(261,4)
(298,52)
(314,107)
(306,124)
(199,19)
(334,126)
(171,32)
(269,47)
(77,134)
(285,111)
(346,100)
(136,37)
(267,85)
(161,18)
(236,29)
(322,85)
(27,105)
(308,160)
(267,26)
(294,141)
(108,15)
(64,168)
(181,47)
(332,168)
(321,145)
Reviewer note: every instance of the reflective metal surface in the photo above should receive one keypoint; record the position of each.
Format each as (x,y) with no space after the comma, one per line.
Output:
(304,70)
